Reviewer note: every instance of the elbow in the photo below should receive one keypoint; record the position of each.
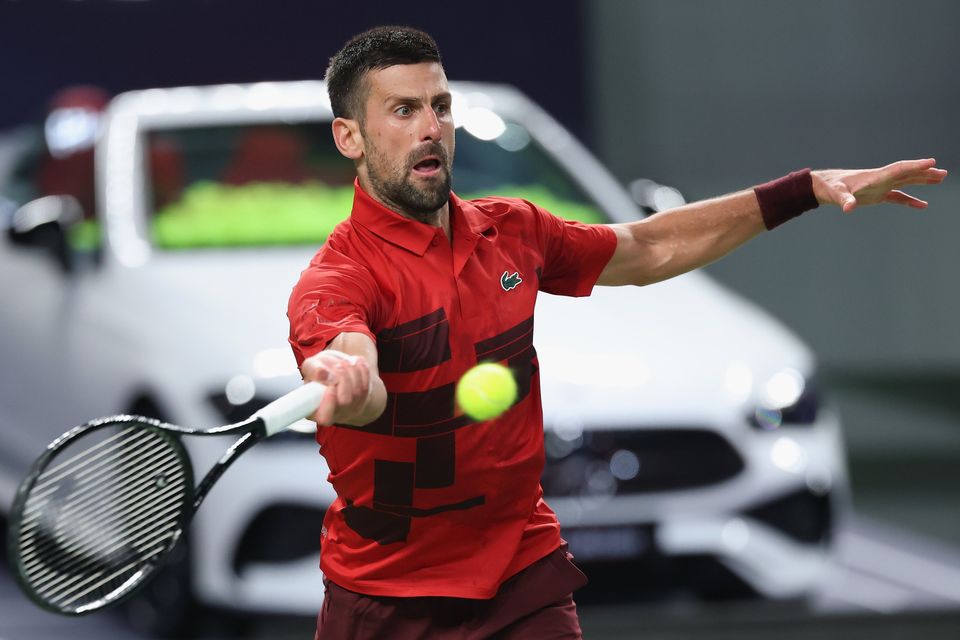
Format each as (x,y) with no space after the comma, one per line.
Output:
(643,256)
(656,263)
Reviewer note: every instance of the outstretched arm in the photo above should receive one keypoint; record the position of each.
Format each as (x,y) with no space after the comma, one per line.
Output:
(673,242)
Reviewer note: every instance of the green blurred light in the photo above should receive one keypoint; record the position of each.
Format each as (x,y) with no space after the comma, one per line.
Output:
(211,214)
(216,215)
(84,236)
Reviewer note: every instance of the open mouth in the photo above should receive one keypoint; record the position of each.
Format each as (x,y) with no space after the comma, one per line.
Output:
(427,166)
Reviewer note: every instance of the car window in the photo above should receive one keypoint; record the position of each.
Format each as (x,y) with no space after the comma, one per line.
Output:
(286,184)
(250,185)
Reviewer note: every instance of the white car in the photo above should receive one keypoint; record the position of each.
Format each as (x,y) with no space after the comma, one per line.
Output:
(695,433)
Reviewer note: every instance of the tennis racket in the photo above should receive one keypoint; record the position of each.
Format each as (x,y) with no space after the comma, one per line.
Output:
(107,501)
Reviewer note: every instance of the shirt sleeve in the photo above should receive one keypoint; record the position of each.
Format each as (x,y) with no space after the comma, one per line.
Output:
(574,253)
(329,299)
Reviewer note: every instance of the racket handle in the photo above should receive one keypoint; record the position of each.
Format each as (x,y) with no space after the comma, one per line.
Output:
(284,411)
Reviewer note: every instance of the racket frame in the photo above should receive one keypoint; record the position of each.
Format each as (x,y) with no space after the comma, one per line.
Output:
(270,420)
(252,430)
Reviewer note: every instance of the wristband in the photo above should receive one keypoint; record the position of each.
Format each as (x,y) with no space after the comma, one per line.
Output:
(786,198)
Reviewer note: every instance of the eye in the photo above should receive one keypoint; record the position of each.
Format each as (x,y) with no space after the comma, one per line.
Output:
(443,108)
(403,110)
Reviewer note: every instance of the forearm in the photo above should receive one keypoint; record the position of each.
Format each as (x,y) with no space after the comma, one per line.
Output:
(673,242)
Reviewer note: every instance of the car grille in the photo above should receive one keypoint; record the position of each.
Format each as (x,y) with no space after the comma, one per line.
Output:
(607,462)
(803,515)
(279,533)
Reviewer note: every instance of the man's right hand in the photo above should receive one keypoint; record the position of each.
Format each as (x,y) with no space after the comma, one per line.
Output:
(355,394)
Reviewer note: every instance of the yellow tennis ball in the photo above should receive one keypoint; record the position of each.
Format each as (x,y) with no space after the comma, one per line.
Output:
(486,391)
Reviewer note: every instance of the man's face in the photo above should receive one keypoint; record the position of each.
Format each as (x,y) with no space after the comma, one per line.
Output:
(408,138)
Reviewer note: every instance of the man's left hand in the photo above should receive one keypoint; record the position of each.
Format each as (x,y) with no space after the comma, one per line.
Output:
(852,188)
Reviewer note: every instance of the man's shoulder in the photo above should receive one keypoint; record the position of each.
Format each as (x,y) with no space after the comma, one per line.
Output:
(498,206)
(340,244)
(339,254)
(508,214)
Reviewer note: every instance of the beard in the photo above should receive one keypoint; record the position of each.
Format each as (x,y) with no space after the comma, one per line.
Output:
(395,186)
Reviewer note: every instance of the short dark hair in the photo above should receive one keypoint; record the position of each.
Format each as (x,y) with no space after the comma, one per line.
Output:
(376,48)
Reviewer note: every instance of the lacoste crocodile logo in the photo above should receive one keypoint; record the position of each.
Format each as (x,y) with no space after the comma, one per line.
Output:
(510,281)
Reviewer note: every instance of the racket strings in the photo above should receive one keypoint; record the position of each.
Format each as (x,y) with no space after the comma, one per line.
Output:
(93,491)
(52,480)
(73,464)
(93,484)
(89,496)
(70,535)
(108,506)
(87,533)
(86,575)
(95,542)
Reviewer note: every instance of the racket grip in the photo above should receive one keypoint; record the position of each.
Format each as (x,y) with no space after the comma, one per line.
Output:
(284,411)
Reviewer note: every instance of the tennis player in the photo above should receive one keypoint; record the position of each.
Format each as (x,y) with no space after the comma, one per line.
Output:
(439,529)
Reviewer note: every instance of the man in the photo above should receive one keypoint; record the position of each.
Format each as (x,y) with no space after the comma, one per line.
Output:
(439,529)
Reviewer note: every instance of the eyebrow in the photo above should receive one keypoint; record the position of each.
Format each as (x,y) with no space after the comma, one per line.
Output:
(446,95)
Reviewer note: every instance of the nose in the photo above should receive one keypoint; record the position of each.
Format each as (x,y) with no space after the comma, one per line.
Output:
(430,126)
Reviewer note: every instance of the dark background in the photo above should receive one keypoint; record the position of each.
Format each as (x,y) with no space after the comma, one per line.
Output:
(131,44)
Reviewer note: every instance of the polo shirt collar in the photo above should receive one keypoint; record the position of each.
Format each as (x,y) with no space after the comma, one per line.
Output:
(465,219)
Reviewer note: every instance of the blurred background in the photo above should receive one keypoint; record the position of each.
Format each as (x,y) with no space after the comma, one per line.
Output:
(707,97)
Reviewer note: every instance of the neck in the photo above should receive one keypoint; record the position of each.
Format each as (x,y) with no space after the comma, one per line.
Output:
(438,218)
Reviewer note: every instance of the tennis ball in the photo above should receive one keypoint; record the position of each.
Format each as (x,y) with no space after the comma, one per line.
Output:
(486,391)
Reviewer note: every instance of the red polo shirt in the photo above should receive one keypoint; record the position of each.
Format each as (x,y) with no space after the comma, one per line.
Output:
(430,502)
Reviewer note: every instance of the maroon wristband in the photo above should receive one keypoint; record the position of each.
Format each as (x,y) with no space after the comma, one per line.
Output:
(786,198)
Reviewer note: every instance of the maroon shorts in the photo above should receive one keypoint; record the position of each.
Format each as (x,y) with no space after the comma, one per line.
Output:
(535,604)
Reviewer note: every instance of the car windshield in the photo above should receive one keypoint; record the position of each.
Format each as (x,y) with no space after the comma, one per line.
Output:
(286,184)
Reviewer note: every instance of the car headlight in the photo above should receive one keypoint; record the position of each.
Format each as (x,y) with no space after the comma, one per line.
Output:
(787,398)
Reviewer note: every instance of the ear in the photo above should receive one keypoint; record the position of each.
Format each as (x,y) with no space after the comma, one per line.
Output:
(347,137)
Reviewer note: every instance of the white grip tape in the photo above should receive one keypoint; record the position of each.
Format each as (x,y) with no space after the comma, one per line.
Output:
(284,411)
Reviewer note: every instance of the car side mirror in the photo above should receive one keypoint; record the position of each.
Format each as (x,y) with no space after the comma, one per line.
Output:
(43,223)
(653,196)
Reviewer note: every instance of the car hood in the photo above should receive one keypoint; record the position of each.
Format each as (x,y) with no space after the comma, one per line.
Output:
(622,352)
(686,343)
